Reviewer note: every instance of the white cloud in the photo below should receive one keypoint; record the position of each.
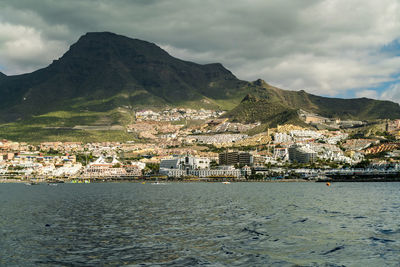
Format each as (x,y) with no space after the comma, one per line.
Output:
(326,47)
(368,94)
(392,94)
(24,48)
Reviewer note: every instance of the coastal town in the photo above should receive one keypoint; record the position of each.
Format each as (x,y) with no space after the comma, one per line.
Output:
(195,145)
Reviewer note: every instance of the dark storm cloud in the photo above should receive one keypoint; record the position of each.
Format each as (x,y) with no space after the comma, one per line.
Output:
(326,47)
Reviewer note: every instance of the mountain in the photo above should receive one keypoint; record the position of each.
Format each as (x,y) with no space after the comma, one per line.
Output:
(258,109)
(118,71)
(2,76)
(272,105)
(104,77)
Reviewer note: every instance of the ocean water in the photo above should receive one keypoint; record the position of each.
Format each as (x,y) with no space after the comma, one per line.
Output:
(192,224)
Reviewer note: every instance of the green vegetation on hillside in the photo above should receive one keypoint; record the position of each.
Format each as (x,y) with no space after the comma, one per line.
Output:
(59,126)
(103,71)
(272,106)
(104,78)
(25,133)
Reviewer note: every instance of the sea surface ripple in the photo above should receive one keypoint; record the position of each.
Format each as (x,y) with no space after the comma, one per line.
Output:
(191,224)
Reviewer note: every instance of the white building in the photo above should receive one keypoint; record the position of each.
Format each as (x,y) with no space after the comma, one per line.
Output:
(138,164)
(185,163)
(303,135)
(180,166)
(301,154)
(68,170)
(101,168)
(282,138)
(281,153)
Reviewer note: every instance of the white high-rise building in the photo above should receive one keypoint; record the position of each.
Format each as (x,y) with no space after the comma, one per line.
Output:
(185,163)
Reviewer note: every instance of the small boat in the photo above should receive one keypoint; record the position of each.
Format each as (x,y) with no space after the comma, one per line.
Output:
(52,184)
(226,182)
(31,183)
(157,183)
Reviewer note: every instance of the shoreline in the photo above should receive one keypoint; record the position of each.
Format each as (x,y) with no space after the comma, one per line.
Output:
(151,181)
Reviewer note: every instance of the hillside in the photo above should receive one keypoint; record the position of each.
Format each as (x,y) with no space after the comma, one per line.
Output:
(272,105)
(104,78)
(103,71)
(253,109)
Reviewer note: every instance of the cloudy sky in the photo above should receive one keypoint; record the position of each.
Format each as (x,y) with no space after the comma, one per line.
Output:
(327,47)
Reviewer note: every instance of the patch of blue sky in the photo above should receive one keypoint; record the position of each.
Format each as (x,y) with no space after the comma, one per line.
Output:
(380,88)
(392,48)
(395,79)
(351,93)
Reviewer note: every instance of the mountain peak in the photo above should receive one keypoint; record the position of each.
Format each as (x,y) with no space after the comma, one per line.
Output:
(105,33)
(108,37)
(107,42)
(104,65)
(103,71)
(261,82)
